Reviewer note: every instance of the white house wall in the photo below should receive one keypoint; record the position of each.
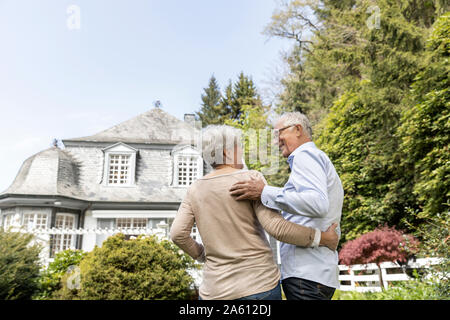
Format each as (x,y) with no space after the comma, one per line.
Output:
(89,240)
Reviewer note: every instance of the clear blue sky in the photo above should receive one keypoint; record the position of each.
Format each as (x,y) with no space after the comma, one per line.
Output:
(62,83)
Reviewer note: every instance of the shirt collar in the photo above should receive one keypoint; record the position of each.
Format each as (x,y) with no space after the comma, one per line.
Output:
(290,159)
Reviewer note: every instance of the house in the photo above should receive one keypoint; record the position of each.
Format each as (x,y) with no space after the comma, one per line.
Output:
(130,178)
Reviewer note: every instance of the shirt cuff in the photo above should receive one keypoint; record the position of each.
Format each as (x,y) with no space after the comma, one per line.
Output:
(317,237)
(268,197)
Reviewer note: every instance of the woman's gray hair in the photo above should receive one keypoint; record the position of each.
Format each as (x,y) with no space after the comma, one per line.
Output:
(292,118)
(215,139)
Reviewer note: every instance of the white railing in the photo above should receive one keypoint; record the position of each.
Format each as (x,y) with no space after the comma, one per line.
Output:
(364,278)
(160,232)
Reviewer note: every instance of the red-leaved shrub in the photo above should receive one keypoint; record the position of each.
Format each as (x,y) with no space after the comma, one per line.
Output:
(381,245)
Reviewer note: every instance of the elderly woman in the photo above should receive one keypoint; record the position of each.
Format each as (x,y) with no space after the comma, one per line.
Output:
(238,260)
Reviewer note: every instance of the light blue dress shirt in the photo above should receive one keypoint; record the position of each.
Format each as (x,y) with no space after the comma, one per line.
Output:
(312,197)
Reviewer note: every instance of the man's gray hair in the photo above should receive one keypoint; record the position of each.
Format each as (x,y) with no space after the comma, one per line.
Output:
(215,139)
(292,118)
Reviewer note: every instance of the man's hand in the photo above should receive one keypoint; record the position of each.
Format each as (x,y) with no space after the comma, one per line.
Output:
(248,190)
(330,238)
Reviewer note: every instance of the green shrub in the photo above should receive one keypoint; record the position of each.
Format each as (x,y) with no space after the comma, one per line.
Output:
(142,268)
(19,265)
(436,235)
(50,280)
(405,290)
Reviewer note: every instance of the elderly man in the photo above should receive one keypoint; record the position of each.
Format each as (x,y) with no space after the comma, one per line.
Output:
(312,197)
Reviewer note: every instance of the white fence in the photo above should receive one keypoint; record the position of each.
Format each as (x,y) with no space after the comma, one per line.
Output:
(363,278)
(160,232)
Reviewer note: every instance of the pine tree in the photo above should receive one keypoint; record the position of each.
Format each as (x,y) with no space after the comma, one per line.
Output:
(212,111)
(227,100)
(244,93)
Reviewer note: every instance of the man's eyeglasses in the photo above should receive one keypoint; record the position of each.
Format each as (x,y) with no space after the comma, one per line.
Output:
(278,131)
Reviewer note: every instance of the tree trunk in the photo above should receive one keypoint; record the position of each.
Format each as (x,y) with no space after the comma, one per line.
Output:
(381,277)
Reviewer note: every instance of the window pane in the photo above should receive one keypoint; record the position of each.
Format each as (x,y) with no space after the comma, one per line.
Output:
(187,170)
(61,242)
(139,222)
(131,222)
(65,221)
(119,169)
(35,220)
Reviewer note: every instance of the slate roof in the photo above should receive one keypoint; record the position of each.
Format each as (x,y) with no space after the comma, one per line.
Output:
(152,127)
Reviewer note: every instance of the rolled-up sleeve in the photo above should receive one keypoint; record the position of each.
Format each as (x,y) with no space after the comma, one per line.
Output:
(306,193)
(180,233)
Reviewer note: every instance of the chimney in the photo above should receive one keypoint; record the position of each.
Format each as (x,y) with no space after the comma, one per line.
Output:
(189,118)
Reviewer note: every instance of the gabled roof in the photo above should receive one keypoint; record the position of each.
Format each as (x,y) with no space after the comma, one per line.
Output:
(119,146)
(152,127)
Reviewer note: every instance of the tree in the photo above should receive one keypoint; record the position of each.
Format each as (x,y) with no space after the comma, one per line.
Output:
(424,155)
(334,47)
(217,108)
(137,269)
(19,266)
(212,110)
(381,245)
(244,93)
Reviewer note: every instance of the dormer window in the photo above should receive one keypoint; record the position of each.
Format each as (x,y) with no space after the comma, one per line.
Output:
(187,170)
(188,166)
(119,169)
(120,165)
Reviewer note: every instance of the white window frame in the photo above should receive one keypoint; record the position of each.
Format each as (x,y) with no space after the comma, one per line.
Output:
(120,149)
(8,220)
(59,240)
(132,222)
(35,218)
(186,151)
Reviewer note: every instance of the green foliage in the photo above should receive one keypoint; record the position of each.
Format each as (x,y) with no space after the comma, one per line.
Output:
(403,290)
(212,110)
(50,280)
(217,108)
(425,128)
(335,48)
(142,268)
(436,235)
(19,265)
(244,93)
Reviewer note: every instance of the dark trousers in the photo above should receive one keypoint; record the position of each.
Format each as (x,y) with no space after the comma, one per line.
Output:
(302,289)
